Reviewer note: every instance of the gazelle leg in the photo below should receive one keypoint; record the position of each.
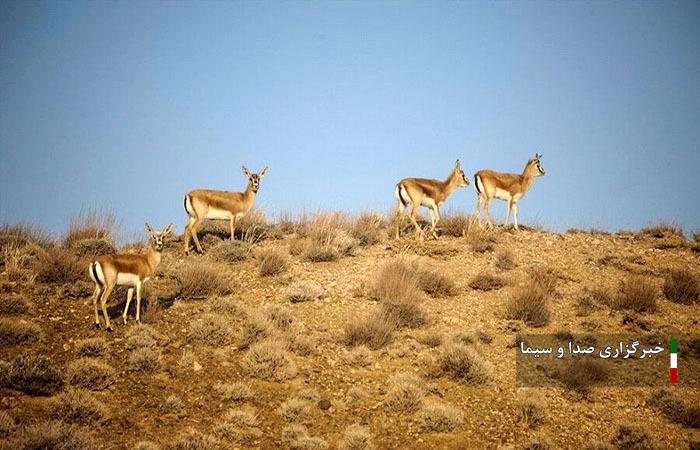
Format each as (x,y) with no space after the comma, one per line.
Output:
(103,301)
(399,209)
(233,226)
(435,218)
(487,204)
(515,215)
(187,236)
(98,292)
(139,287)
(508,205)
(129,294)
(414,211)
(193,231)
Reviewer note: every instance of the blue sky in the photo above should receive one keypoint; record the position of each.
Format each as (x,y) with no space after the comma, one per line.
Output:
(128,105)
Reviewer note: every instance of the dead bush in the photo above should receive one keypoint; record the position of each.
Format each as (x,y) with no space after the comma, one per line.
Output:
(91,347)
(144,360)
(440,417)
(437,284)
(582,374)
(369,229)
(195,440)
(682,286)
(53,435)
(462,363)
(254,328)
(304,291)
(302,344)
(200,281)
(93,224)
(78,406)
(92,247)
(18,263)
(280,316)
(230,251)
(530,408)
(669,404)
(268,360)
(404,312)
(14,332)
(431,338)
(272,261)
(481,243)
(356,437)
(691,416)
(7,424)
(396,279)
(241,417)
(406,392)
(375,331)
(56,265)
(13,305)
(359,356)
(225,305)
(505,260)
(317,252)
(294,410)
(253,227)
(23,234)
(141,336)
(237,392)
(212,329)
(89,374)
(173,404)
(33,375)
(636,293)
(631,437)
(662,229)
(487,282)
(546,277)
(530,304)
(296,437)
(146,445)
(458,224)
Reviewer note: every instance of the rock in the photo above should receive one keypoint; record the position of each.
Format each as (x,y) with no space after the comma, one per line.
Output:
(196,366)
(324,404)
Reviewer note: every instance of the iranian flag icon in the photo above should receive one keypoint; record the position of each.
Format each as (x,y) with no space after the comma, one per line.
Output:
(674,360)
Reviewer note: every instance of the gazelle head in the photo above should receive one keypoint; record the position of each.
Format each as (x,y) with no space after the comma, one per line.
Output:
(462,180)
(533,166)
(254,178)
(158,237)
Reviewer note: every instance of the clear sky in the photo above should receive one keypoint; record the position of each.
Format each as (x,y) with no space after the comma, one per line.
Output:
(128,105)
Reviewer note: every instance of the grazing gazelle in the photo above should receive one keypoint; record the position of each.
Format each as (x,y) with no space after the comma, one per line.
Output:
(126,270)
(203,204)
(429,193)
(510,187)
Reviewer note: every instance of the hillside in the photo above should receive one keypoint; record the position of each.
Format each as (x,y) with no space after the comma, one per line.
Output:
(324,333)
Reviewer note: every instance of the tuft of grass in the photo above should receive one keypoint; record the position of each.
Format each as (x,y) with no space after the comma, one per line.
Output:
(200,281)
(530,304)
(236,392)
(314,251)
(93,224)
(487,282)
(141,336)
(212,329)
(359,356)
(395,279)
(89,374)
(230,251)
(530,408)
(459,225)
(369,228)
(195,440)
(431,338)
(144,360)
(53,435)
(440,417)
(91,347)
(582,374)
(254,328)
(268,360)
(505,260)
(682,286)
(280,316)
(294,410)
(356,437)
(304,291)
(631,437)
(56,265)
(636,293)
(253,227)
(24,234)
(78,406)
(437,284)
(296,437)
(272,261)
(241,417)
(669,404)
(93,247)
(546,277)
(14,332)
(173,404)
(33,375)
(18,263)
(13,305)
(461,362)
(406,392)
(7,424)
(662,230)
(146,445)
(375,331)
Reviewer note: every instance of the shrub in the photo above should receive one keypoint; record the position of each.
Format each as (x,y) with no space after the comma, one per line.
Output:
(56,265)
(359,356)
(23,234)
(369,229)
(374,331)
(356,437)
(212,329)
(296,437)
(144,360)
(173,404)
(682,286)
(89,374)
(303,291)
(195,440)
(272,261)
(13,332)
(146,445)
(92,247)
(13,305)
(200,281)
(505,260)
(7,424)
(91,347)
(241,417)
(268,360)
(33,375)
(53,435)
(430,338)
(437,284)
(141,336)
(662,229)
(459,225)
(461,362)
(436,416)
(546,277)
(669,404)
(691,416)
(404,312)
(636,293)
(280,316)
(581,374)
(406,392)
(93,224)
(231,251)
(236,392)
(253,227)
(529,304)
(18,261)
(631,437)
(318,252)
(294,410)
(481,244)
(78,406)
(486,282)
(530,408)
(396,279)
(255,327)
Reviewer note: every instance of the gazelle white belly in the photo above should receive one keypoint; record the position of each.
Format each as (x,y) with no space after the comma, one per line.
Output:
(127,279)
(220,214)
(502,194)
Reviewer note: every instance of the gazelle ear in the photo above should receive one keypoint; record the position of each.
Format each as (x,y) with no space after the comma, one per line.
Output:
(246,172)
(457,164)
(263,172)
(149,228)
(168,229)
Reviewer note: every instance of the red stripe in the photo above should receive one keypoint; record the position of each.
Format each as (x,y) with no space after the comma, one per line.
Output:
(674,376)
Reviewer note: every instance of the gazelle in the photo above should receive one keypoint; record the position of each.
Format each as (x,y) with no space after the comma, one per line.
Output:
(203,204)
(429,193)
(126,270)
(510,187)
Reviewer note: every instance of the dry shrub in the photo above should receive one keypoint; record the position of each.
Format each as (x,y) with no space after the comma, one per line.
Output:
(404,312)
(280,316)
(195,440)
(326,235)
(682,286)
(309,394)
(237,392)
(255,327)
(78,406)
(441,417)
(304,291)
(230,251)
(53,435)
(173,404)
(314,251)
(530,304)
(144,360)
(487,282)
(669,404)
(7,424)
(481,243)
(296,437)
(93,224)
(375,331)
(272,261)
(33,375)
(302,344)
(530,408)
(23,234)
(369,228)
(146,445)
(268,360)
(662,229)
(632,437)
(200,281)
(356,437)
(212,329)
(636,293)
(241,417)
(225,305)
(253,227)
(359,356)
(505,260)
(406,392)
(91,347)
(538,443)
(581,374)
(459,225)
(437,284)
(56,265)
(18,264)
(13,332)
(89,374)
(141,336)
(691,416)
(294,410)
(460,362)
(397,278)
(431,338)
(546,277)
(93,247)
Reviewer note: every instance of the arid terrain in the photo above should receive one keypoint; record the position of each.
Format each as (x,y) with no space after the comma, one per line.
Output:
(322,331)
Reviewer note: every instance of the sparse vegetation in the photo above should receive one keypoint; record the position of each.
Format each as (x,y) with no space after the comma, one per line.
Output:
(458,224)
(294,410)
(144,360)
(356,437)
(545,277)
(90,374)
(231,251)
(406,392)
(78,406)
(13,305)
(297,437)
(636,293)
(487,282)
(505,260)
(272,261)
(93,247)
(369,228)
(93,224)
(268,360)
(255,327)
(581,374)
(530,408)
(374,330)
(437,284)
(200,281)
(682,286)
(359,356)
(7,424)
(460,362)
(91,347)
(33,375)
(438,416)
(662,230)
(195,440)
(212,329)
(141,336)
(529,303)
(303,291)
(53,435)
(631,437)
(14,332)
(236,392)
(56,265)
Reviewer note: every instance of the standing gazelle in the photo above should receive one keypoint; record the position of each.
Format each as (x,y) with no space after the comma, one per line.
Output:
(203,204)
(429,193)
(510,187)
(109,271)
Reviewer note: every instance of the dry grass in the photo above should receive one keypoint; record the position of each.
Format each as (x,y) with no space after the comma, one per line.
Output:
(231,251)
(93,224)
(369,228)
(144,360)
(18,263)
(460,362)
(296,437)
(91,347)
(141,336)
(636,293)
(546,277)
(89,374)
(272,261)
(404,312)
(212,329)
(195,440)
(280,316)
(173,404)
(487,282)
(7,424)
(253,227)
(326,238)
(674,408)
(440,417)
(268,360)
(397,287)
(56,265)
(92,247)
(459,225)
(437,284)
(632,437)
(314,251)
(505,260)
(200,280)
(582,374)
(236,392)
(662,230)
(78,406)
(374,330)
(431,338)
(33,375)
(294,410)
(530,304)
(254,328)
(359,356)
(14,332)
(682,286)
(406,392)
(530,408)
(241,417)
(23,234)
(53,435)
(304,291)
(356,437)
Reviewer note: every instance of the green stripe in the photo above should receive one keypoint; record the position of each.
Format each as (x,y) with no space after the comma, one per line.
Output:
(674,345)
